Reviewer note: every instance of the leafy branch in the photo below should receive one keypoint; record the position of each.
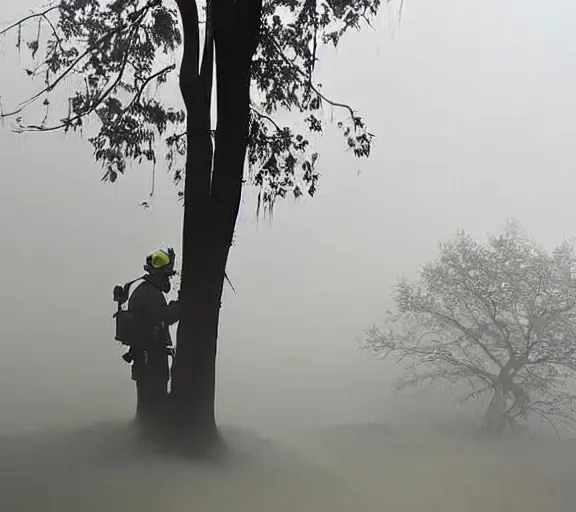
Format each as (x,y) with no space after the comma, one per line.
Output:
(113,49)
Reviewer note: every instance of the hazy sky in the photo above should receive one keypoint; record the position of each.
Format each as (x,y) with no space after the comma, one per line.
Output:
(473,107)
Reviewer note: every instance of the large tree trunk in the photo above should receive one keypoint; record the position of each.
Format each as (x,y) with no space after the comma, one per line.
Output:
(212,194)
(495,416)
(498,416)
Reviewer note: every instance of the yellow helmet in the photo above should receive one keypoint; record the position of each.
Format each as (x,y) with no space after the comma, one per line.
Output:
(160,261)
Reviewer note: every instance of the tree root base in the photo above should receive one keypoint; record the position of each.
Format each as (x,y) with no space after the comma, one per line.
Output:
(191,443)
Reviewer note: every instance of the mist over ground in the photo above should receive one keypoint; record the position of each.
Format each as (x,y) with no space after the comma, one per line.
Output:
(472,105)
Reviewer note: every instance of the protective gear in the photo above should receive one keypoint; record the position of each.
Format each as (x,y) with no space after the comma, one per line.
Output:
(150,367)
(144,327)
(127,328)
(161,262)
(150,309)
(159,259)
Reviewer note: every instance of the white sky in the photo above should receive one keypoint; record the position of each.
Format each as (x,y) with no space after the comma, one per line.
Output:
(473,107)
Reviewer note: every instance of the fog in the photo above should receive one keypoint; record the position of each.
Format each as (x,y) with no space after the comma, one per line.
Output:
(473,108)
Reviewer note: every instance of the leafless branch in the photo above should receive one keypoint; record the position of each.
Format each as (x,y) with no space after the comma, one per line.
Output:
(467,332)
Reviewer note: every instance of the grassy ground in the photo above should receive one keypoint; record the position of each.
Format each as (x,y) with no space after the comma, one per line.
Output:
(416,474)
(354,469)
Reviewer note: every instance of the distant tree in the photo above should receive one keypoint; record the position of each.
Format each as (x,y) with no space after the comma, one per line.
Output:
(103,57)
(498,317)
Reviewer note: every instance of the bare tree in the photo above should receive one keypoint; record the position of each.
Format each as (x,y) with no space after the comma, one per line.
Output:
(499,317)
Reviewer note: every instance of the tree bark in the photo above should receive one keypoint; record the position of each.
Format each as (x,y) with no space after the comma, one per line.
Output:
(212,194)
(495,415)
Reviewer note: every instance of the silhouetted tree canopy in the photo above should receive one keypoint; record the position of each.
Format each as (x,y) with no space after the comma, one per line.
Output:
(105,59)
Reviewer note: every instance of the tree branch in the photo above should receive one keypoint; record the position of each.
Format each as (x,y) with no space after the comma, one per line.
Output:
(97,102)
(266,118)
(149,79)
(429,355)
(298,71)
(135,18)
(466,332)
(63,75)
(28,18)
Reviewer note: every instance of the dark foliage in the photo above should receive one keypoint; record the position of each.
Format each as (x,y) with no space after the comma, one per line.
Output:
(112,54)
